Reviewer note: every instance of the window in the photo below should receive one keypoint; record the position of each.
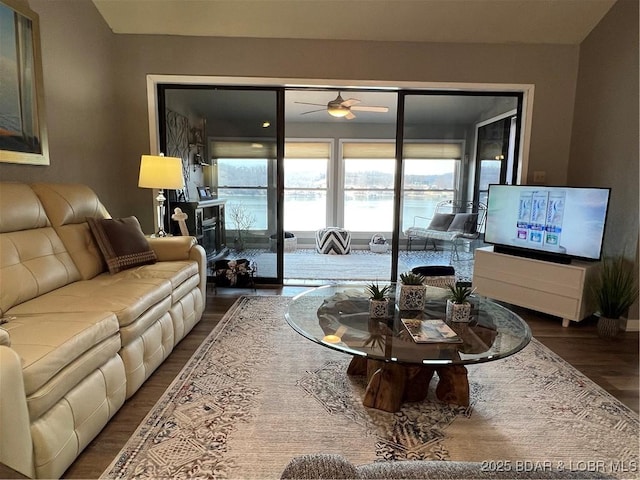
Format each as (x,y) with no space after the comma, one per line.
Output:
(431,174)
(306,185)
(242,179)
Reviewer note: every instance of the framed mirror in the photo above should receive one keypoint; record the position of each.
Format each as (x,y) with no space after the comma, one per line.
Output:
(23,137)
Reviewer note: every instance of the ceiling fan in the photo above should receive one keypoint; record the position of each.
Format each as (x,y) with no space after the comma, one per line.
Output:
(344,108)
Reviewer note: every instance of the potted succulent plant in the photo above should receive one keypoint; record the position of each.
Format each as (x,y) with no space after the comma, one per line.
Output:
(458,306)
(378,300)
(615,290)
(412,291)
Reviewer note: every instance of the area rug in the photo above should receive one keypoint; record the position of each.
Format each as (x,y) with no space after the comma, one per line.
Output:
(255,394)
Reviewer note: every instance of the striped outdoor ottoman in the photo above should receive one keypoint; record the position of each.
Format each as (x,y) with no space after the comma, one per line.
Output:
(333,240)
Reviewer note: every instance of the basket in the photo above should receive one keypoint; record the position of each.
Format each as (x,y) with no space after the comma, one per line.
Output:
(378,244)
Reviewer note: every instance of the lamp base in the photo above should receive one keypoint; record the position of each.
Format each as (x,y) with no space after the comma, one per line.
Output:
(160,211)
(160,234)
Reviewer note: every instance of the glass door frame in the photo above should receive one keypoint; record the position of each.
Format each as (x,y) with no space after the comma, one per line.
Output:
(403,88)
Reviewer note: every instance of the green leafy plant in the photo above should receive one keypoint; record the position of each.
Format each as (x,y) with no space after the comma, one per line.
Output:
(616,287)
(410,278)
(460,293)
(376,292)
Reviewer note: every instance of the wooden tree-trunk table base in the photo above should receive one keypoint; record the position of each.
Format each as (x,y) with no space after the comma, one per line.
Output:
(390,384)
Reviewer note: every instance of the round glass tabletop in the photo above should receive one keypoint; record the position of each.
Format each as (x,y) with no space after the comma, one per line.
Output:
(337,317)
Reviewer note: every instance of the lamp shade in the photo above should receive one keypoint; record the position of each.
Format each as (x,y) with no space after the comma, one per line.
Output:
(160,172)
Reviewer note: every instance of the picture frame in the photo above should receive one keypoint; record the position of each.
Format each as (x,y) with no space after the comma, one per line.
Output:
(204,193)
(23,134)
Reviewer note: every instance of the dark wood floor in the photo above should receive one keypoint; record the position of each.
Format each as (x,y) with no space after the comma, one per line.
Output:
(612,364)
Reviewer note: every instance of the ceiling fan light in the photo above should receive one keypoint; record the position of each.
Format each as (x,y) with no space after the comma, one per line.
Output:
(338,111)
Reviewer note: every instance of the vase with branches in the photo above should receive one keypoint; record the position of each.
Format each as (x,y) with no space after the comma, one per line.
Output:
(243,220)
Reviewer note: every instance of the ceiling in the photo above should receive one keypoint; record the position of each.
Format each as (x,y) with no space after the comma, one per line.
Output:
(255,106)
(458,21)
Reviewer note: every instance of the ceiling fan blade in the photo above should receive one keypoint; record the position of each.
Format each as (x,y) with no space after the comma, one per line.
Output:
(367,108)
(349,102)
(314,104)
(349,115)
(313,111)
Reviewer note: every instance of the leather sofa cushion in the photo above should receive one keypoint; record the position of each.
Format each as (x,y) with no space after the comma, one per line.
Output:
(68,206)
(20,208)
(32,263)
(127,297)
(176,272)
(49,343)
(121,242)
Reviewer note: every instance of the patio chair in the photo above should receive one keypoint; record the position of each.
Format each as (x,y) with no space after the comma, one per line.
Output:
(453,221)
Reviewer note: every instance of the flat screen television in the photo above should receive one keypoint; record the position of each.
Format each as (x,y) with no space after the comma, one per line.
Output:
(549,223)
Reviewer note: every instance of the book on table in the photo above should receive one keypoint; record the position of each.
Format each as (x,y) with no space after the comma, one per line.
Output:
(430,331)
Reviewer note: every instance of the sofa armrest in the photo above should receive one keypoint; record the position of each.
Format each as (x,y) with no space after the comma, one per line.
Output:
(16,447)
(172,248)
(182,248)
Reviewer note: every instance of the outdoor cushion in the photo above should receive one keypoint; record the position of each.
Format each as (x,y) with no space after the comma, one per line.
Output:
(441,221)
(464,222)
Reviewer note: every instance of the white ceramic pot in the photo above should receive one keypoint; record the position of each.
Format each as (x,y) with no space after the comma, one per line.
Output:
(412,297)
(378,308)
(458,312)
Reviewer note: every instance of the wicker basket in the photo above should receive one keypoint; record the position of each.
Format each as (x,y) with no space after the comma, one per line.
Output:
(378,244)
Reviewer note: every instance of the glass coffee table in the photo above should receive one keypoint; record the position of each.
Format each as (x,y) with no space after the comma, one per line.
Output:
(398,368)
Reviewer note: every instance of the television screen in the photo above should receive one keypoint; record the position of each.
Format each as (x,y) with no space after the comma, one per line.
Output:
(565,221)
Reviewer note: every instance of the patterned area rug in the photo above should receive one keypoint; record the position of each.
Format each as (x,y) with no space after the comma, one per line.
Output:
(256,393)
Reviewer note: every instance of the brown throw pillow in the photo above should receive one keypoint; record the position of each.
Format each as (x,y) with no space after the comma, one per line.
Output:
(122,243)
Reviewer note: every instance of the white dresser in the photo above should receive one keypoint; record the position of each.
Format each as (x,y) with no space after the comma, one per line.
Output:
(553,288)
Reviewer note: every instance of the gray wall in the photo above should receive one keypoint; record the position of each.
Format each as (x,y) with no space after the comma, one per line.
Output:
(604,141)
(82,111)
(95,88)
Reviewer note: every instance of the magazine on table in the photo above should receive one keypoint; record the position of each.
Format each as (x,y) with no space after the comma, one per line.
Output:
(430,331)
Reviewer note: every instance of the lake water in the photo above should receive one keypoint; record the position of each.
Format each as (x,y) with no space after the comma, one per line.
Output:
(366,214)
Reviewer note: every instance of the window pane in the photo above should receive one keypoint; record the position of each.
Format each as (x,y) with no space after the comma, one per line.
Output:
(305,173)
(368,210)
(305,209)
(253,205)
(242,172)
(489,173)
(369,173)
(422,204)
(430,174)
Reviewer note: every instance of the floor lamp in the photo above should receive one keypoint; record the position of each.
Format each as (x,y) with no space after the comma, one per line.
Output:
(158,171)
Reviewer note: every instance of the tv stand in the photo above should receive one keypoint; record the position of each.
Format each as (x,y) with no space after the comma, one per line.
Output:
(558,289)
(535,254)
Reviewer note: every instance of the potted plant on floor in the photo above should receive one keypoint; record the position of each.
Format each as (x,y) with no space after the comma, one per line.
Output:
(412,291)
(378,300)
(615,290)
(458,306)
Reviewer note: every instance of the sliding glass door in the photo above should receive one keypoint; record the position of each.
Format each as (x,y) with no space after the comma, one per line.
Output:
(281,165)
(228,141)
(439,162)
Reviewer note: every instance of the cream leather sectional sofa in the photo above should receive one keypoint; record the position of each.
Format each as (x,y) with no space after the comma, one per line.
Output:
(79,340)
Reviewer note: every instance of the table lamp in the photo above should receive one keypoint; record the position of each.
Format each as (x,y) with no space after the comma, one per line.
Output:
(158,171)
